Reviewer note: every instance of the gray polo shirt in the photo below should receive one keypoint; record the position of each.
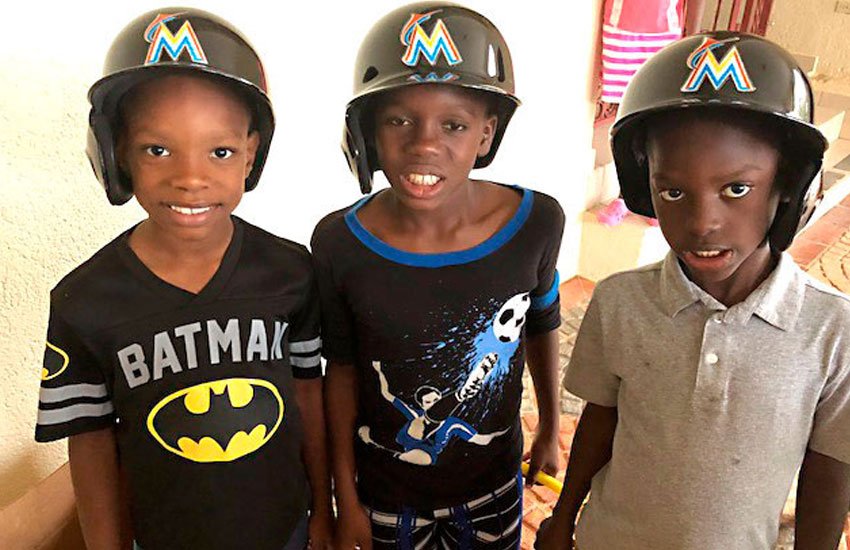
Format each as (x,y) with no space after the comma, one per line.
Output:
(716,405)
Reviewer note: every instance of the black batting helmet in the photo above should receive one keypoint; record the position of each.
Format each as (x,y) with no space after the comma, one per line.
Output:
(161,42)
(724,70)
(425,43)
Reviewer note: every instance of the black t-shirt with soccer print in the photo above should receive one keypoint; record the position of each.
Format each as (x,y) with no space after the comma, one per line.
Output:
(438,344)
(198,387)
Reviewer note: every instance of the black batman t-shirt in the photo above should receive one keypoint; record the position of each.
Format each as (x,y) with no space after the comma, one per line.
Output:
(438,344)
(199,387)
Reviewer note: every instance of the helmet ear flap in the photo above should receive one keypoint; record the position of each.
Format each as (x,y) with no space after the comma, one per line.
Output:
(355,150)
(632,162)
(504,109)
(794,211)
(100,149)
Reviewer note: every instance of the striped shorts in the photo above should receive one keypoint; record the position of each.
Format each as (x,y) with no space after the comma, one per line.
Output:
(491,522)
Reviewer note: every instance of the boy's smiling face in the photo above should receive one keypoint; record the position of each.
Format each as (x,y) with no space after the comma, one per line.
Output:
(428,137)
(187,145)
(712,184)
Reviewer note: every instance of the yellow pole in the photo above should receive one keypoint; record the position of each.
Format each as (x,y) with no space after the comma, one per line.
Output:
(544,479)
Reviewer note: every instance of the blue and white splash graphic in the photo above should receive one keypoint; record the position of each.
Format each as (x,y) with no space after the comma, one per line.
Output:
(464,347)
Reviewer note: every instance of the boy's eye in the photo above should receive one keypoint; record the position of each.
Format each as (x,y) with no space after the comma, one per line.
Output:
(671,195)
(398,121)
(157,151)
(454,126)
(736,190)
(222,153)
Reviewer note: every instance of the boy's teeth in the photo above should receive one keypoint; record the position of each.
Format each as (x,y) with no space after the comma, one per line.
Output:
(190,211)
(707,253)
(423,179)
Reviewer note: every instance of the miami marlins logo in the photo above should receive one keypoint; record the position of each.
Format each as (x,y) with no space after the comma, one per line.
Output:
(705,66)
(418,42)
(162,40)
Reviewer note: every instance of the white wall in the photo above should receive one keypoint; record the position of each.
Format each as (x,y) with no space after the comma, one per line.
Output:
(53,214)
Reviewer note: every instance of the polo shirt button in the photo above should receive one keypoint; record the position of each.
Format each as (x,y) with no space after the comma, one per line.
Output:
(711,358)
(717,318)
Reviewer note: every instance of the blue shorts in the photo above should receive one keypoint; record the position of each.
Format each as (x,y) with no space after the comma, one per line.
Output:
(491,522)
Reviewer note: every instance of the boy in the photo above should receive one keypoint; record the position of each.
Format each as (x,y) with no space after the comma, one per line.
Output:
(713,375)
(431,290)
(185,353)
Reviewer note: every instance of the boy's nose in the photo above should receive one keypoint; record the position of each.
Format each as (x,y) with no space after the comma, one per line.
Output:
(188,173)
(704,218)
(425,140)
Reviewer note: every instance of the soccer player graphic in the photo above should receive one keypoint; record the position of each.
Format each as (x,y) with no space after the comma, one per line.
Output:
(431,425)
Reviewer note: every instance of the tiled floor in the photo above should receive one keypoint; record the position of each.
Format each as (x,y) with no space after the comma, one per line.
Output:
(823,250)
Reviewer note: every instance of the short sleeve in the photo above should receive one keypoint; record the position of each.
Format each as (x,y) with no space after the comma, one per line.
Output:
(73,397)
(588,374)
(337,324)
(305,342)
(545,312)
(831,430)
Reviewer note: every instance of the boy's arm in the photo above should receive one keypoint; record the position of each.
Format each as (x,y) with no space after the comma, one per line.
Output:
(353,526)
(591,450)
(543,359)
(308,395)
(97,487)
(823,497)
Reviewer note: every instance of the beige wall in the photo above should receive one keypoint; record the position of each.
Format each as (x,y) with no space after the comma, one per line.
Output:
(53,215)
(812,27)
(809,27)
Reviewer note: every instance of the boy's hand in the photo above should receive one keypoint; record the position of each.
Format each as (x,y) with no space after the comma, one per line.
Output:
(353,529)
(321,530)
(554,534)
(543,455)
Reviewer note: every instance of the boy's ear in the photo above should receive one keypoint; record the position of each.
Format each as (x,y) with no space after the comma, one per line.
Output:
(253,145)
(487,135)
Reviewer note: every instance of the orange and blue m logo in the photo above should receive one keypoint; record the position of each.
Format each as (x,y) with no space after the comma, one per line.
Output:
(705,66)
(418,42)
(162,40)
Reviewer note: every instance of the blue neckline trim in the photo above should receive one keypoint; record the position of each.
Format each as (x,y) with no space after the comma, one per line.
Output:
(442,259)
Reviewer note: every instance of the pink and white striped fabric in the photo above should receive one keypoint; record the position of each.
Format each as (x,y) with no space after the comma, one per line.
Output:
(632,31)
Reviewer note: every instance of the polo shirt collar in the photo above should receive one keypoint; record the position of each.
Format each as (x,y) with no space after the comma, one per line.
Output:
(777,300)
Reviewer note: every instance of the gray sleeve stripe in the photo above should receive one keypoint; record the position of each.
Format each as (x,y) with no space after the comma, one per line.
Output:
(55,395)
(305,362)
(305,346)
(74,412)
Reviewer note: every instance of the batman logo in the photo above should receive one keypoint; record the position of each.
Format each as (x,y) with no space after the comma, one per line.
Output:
(55,362)
(217,421)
